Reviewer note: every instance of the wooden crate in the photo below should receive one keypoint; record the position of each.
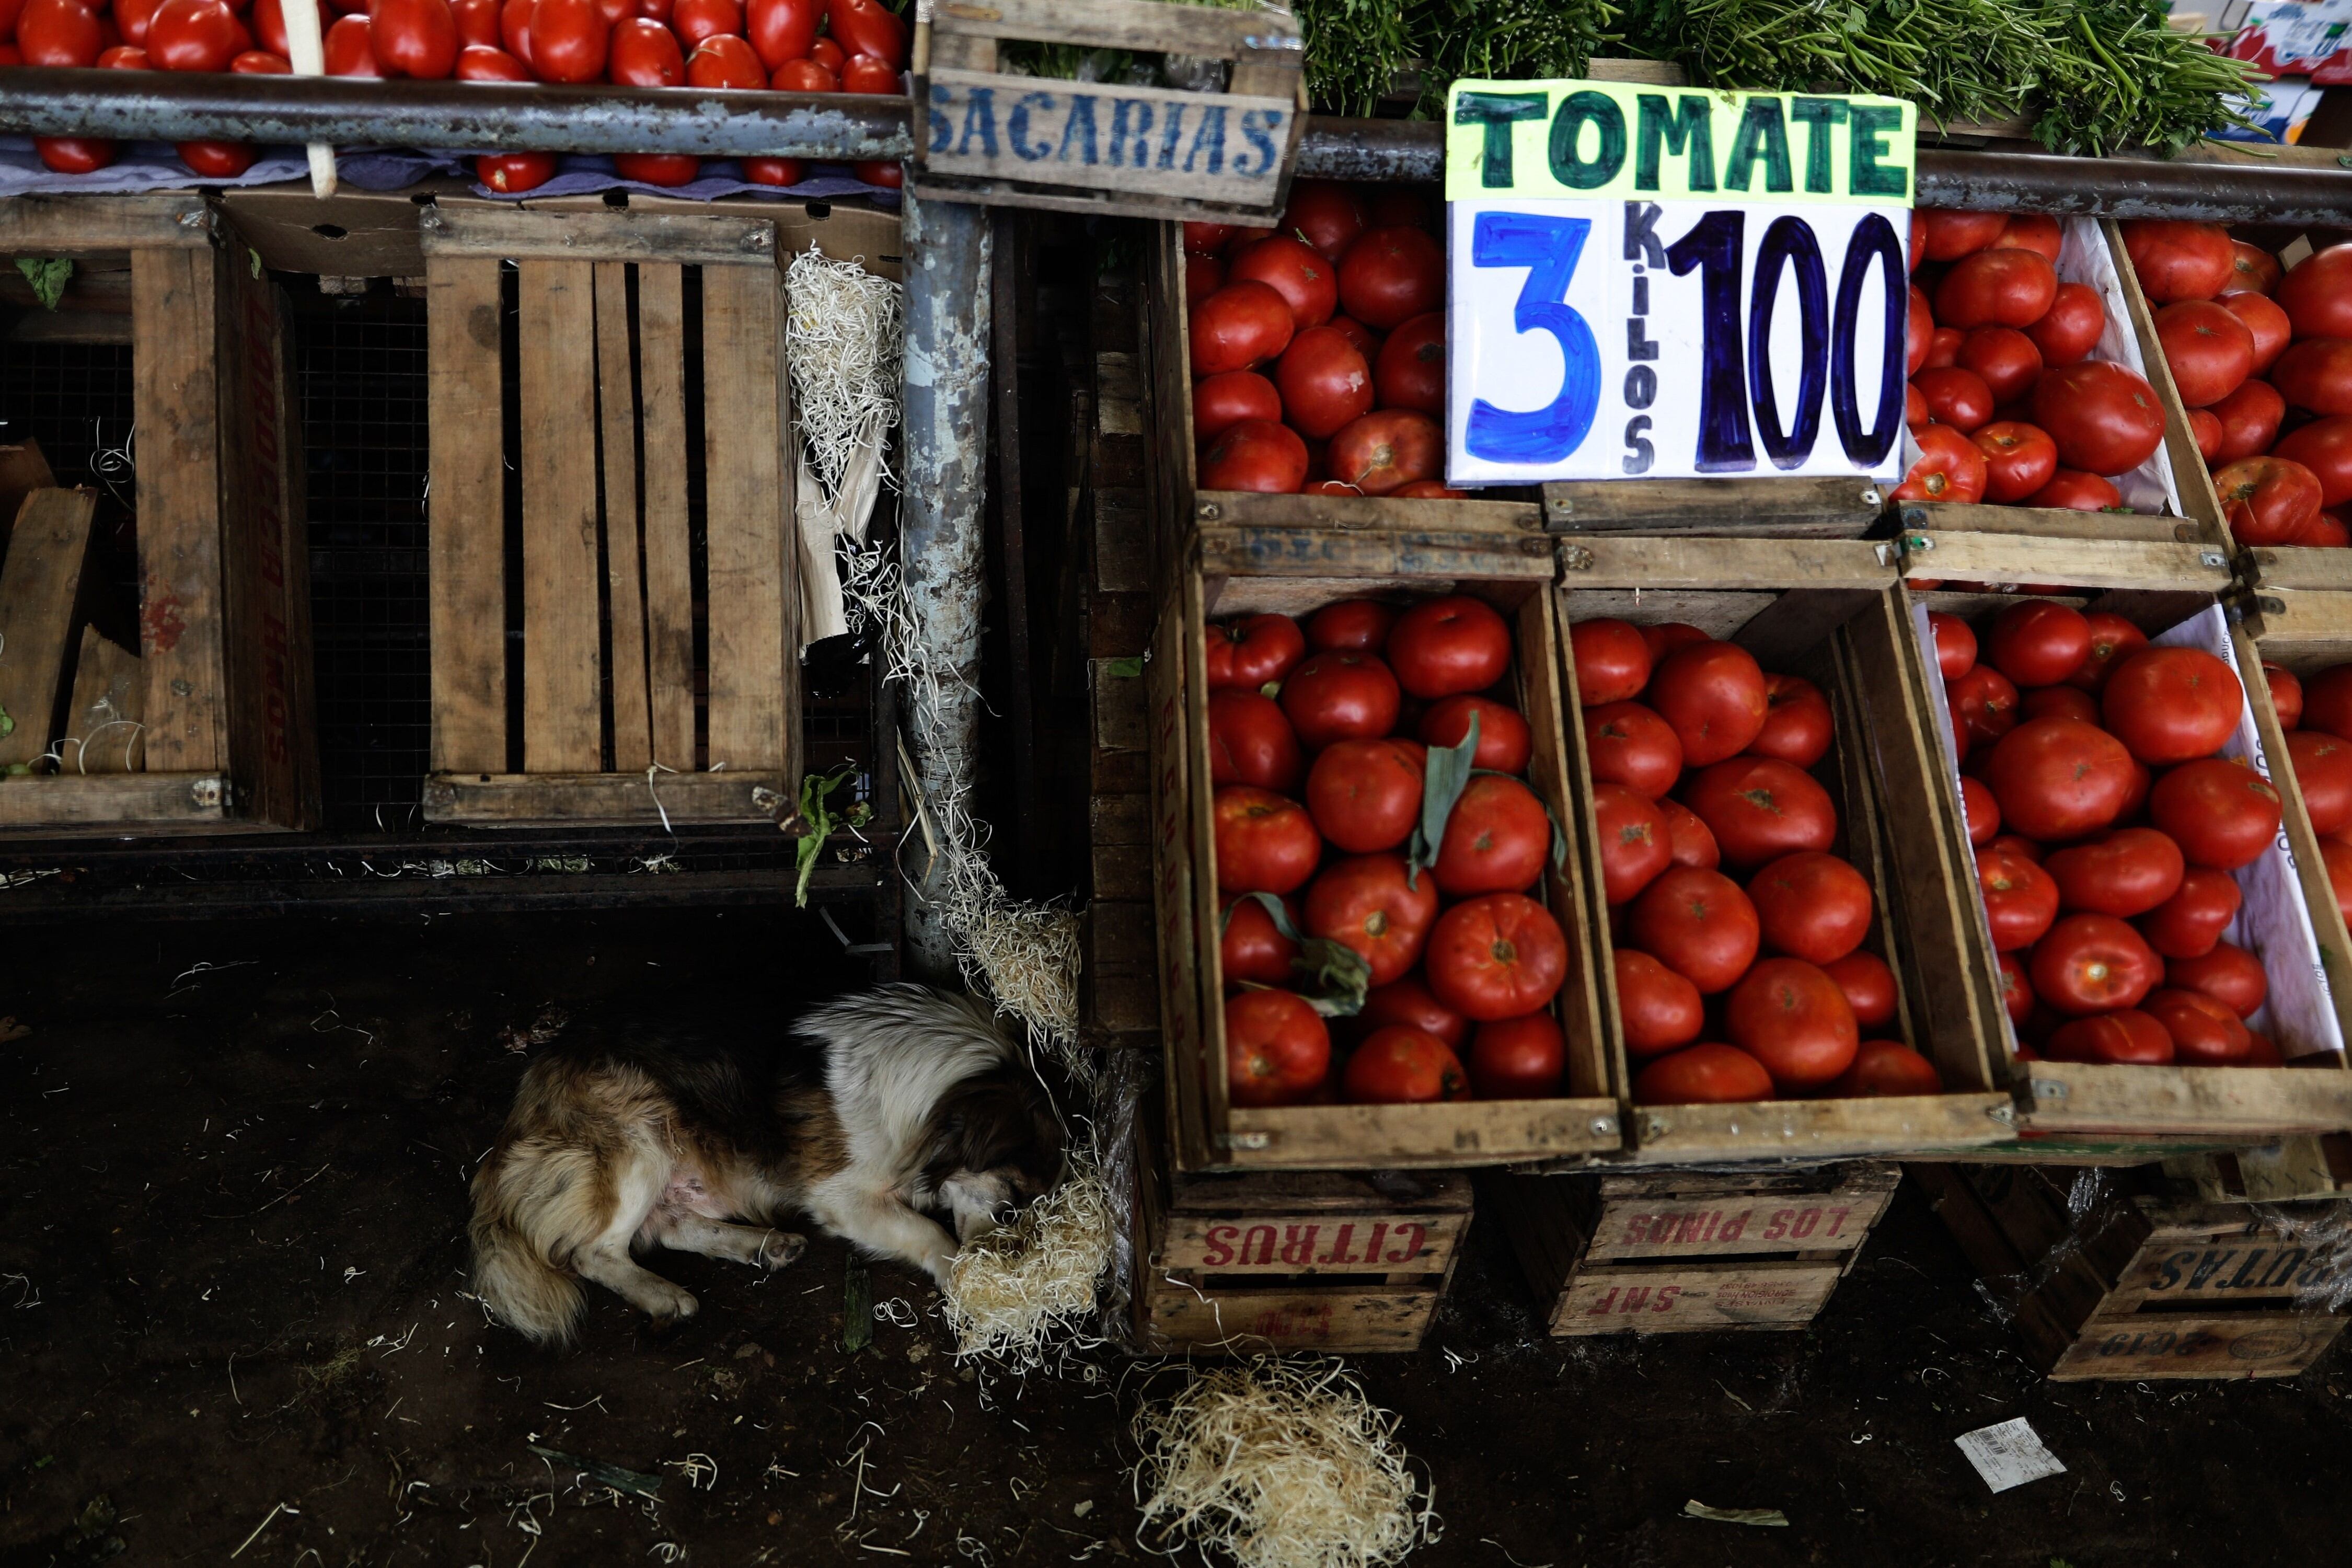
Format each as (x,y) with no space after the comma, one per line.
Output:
(1317,1260)
(1746,509)
(1829,611)
(1234,572)
(659,673)
(1107,147)
(2157,588)
(2110,1280)
(218,693)
(1680,1252)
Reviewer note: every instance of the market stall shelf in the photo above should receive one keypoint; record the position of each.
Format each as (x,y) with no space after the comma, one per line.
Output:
(208,725)
(1684,1252)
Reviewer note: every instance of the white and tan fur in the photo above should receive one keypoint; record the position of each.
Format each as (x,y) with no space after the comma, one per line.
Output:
(921,1104)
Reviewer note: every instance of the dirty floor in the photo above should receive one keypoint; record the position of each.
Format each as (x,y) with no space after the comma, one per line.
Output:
(233,1161)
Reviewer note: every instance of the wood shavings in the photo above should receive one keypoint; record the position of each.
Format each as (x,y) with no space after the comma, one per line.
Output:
(1024,1292)
(1280,1464)
(844,337)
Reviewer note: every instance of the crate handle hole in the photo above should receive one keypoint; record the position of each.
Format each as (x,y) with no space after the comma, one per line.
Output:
(820,210)
(330,231)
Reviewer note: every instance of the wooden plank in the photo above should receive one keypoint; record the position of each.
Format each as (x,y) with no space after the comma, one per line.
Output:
(2047,522)
(2169,1345)
(668,558)
(2284,566)
(563,651)
(516,800)
(1372,553)
(1243,509)
(40,592)
(752,584)
(1120,713)
(1118,937)
(616,407)
(502,231)
(1172,669)
(103,731)
(2084,562)
(2258,1267)
(23,470)
(1587,1006)
(1820,1129)
(1300,1247)
(1715,563)
(1731,1223)
(466,540)
(1174,149)
(1459,1135)
(86,225)
(1322,1192)
(1752,508)
(1358,1321)
(1637,1299)
(114,800)
(177,402)
(1112,25)
(2087,1097)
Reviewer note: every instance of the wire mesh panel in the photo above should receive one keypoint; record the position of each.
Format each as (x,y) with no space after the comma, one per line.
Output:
(75,398)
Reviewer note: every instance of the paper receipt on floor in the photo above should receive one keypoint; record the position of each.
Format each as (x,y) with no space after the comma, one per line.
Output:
(2009,1454)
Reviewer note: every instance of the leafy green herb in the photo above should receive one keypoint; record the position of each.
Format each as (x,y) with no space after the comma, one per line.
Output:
(1442,779)
(48,275)
(7,725)
(816,809)
(1333,976)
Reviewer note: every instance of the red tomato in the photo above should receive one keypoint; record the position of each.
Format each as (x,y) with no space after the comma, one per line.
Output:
(1794,1018)
(1693,841)
(1410,370)
(2059,779)
(2016,989)
(2271,500)
(799,75)
(202,36)
(1612,661)
(1997,288)
(1250,742)
(131,19)
(1385,451)
(1324,382)
(2128,872)
(2328,701)
(2221,814)
(511,173)
(1245,655)
(1341,695)
(514,27)
(2125,1039)
(63,33)
(215,160)
(2171,704)
(2317,374)
(1657,1008)
(1254,454)
(2263,1053)
(568,40)
(2323,447)
(1798,728)
(2266,324)
(1915,416)
(1240,325)
(1700,924)
(1951,468)
(1496,957)
(1504,740)
(1518,1059)
(2230,974)
(2188,923)
(1222,401)
(1919,332)
(1399,1066)
(2316,293)
(2074,490)
(1357,625)
(2210,351)
(1367,342)
(1326,214)
(1633,842)
(2104,418)
(1714,695)
(1376,905)
(2338,856)
(1760,809)
(2287,694)
(1944,348)
(2205,430)
(1411,1003)
(1203,276)
(1293,269)
(2020,899)
(1868,986)
(1252,947)
(1983,704)
(1265,843)
(1441,646)
(269,18)
(2323,768)
(1703,1075)
(1955,396)
(867,28)
(2070,328)
(1397,207)
(2092,964)
(1810,906)
(1207,238)
(2058,702)
(2178,260)
(347,51)
(1949,235)
(1982,811)
(419,38)
(1276,1049)
(2328,531)
(1955,644)
(864,73)
(2205,1032)
(481,62)
(2113,640)
(478,22)
(2004,359)
(723,61)
(1885,1067)
(1391,275)
(644,53)
(1498,838)
(2252,270)
(1663,637)
(2039,643)
(2031,231)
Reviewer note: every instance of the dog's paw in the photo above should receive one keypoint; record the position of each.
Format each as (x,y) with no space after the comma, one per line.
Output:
(671,1304)
(779,1247)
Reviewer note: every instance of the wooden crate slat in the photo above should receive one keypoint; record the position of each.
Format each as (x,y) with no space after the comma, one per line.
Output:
(1114,24)
(2170,1346)
(40,593)
(467,541)
(175,401)
(562,724)
(1732,1221)
(749,564)
(108,802)
(517,800)
(84,226)
(617,403)
(669,565)
(500,231)
(1300,1247)
(1693,1298)
(1359,1320)
(103,731)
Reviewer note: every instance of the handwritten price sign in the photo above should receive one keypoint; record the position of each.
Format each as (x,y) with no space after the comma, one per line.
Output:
(1662,283)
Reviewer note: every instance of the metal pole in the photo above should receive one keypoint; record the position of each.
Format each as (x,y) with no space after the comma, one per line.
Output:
(942,534)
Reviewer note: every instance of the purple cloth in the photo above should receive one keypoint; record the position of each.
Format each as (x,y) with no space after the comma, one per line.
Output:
(589,173)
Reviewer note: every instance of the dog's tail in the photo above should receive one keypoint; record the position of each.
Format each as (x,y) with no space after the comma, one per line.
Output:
(521,1289)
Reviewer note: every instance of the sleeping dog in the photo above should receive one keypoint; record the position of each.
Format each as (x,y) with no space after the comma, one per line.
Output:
(921,1107)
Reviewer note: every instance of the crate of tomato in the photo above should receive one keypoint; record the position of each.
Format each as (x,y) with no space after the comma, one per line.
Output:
(1361,877)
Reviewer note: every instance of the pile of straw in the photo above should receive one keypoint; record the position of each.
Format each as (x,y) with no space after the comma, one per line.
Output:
(1024,1294)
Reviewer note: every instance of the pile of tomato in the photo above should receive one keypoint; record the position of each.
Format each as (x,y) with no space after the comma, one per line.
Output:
(2262,356)
(2006,403)
(1700,763)
(1319,349)
(1321,743)
(2318,722)
(791,46)
(2106,828)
